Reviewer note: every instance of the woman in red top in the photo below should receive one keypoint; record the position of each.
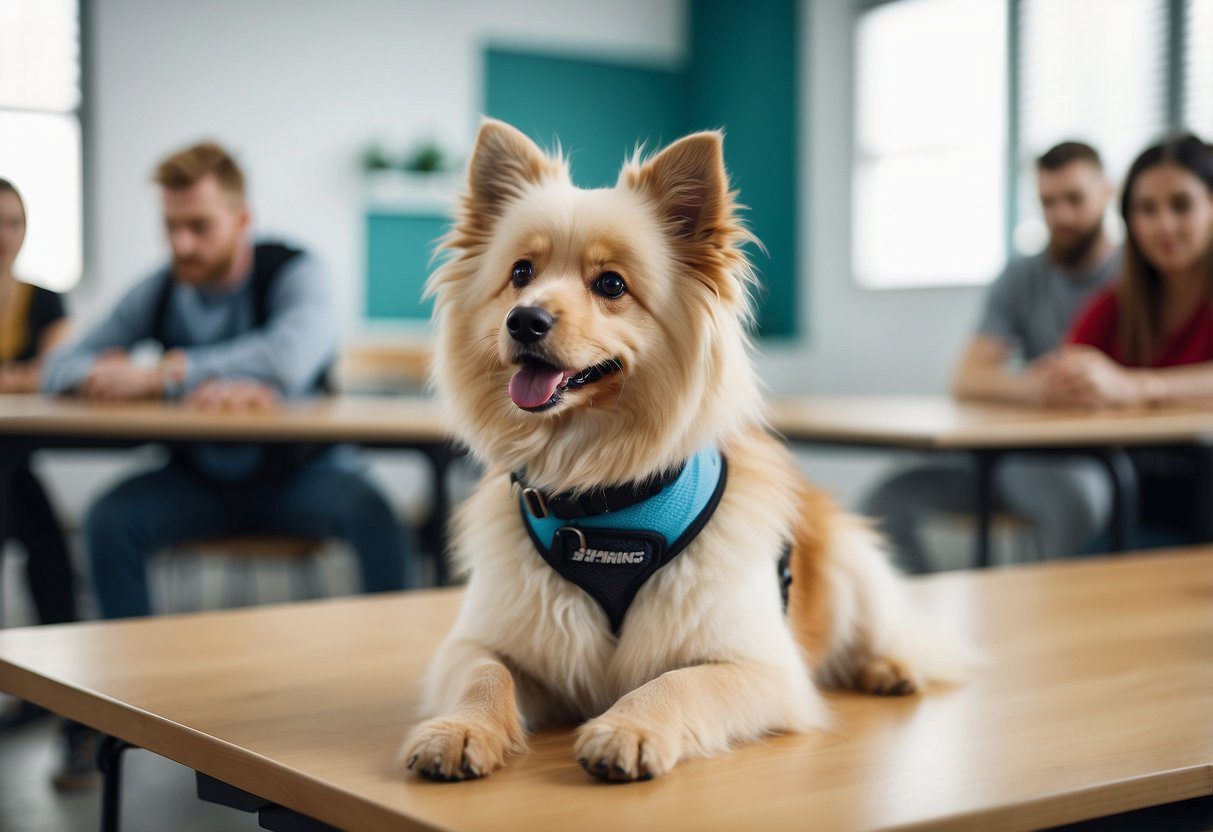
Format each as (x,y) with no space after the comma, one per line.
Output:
(1149,339)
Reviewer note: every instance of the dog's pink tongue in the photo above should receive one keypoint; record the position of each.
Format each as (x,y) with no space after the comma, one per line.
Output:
(534,385)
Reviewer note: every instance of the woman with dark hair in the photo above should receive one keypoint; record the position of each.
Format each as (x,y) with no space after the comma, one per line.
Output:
(1148,339)
(32,322)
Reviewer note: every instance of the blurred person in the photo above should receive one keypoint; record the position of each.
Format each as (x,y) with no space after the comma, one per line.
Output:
(242,325)
(1148,339)
(32,322)
(1026,314)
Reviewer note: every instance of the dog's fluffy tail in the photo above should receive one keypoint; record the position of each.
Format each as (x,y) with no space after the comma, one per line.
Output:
(848,607)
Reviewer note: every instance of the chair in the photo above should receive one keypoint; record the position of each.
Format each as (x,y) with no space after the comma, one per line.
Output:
(241,551)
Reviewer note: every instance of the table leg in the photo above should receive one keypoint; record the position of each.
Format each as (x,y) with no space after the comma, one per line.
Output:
(109,760)
(9,455)
(1124,496)
(270,816)
(986,461)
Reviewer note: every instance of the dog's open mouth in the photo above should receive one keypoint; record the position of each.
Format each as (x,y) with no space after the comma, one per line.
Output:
(539,385)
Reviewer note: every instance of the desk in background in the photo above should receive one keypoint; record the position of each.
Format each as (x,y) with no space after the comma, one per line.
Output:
(31,423)
(923,423)
(991,432)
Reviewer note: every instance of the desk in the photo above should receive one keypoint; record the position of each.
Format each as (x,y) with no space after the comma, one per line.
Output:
(33,422)
(989,432)
(1095,701)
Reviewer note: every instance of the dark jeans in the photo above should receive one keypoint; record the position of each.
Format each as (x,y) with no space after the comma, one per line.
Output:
(32,523)
(158,509)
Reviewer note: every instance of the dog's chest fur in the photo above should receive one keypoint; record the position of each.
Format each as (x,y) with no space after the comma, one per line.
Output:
(718,600)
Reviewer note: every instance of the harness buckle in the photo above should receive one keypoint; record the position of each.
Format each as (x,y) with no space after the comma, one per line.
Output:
(536,503)
(581,542)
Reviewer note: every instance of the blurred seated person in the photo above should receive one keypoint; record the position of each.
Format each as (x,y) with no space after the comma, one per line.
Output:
(32,322)
(242,325)
(1148,340)
(1027,312)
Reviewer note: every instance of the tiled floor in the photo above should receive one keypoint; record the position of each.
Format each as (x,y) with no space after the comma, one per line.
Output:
(158,794)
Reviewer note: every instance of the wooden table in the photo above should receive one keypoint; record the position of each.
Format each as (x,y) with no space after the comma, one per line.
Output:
(991,432)
(367,420)
(926,423)
(942,423)
(33,422)
(1095,701)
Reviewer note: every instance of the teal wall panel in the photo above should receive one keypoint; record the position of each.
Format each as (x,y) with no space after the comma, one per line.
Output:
(399,247)
(743,77)
(597,110)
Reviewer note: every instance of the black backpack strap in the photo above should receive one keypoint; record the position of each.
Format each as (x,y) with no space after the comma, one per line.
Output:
(160,311)
(269,260)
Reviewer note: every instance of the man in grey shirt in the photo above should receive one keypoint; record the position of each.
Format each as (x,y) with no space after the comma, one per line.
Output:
(242,326)
(1027,314)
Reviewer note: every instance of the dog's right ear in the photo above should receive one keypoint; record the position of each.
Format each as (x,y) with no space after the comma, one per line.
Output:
(503,163)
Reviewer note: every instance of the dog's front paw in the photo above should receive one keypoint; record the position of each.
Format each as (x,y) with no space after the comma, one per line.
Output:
(455,748)
(621,748)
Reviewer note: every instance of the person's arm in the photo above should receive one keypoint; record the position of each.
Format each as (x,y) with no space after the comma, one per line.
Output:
(1173,385)
(1087,377)
(290,350)
(66,367)
(982,375)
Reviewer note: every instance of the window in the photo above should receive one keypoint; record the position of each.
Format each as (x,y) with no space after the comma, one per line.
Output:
(1198,68)
(40,149)
(930,149)
(1091,70)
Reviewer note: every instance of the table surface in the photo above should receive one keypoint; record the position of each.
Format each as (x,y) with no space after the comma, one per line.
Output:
(940,422)
(1095,700)
(369,419)
(929,422)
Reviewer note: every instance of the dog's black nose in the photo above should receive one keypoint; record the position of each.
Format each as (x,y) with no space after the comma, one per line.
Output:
(528,324)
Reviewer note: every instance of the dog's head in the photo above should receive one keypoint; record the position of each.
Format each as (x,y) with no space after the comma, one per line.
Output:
(594,336)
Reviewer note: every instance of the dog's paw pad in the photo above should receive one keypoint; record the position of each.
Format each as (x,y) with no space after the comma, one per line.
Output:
(451,749)
(616,751)
(886,677)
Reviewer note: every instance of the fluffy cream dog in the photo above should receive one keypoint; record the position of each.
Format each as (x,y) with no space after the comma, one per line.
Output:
(593,338)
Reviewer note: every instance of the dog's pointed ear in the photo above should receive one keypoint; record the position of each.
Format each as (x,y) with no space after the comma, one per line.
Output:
(688,183)
(503,163)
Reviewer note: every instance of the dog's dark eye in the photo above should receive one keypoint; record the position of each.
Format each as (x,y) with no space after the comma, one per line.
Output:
(610,285)
(522,273)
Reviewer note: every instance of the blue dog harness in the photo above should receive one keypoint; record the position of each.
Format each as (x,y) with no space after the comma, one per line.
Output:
(610,541)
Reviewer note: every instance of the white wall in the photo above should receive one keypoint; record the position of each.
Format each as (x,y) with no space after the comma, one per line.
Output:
(297,88)
(856,340)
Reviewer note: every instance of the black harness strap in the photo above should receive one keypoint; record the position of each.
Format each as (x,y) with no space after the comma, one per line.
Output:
(570,505)
(630,556)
